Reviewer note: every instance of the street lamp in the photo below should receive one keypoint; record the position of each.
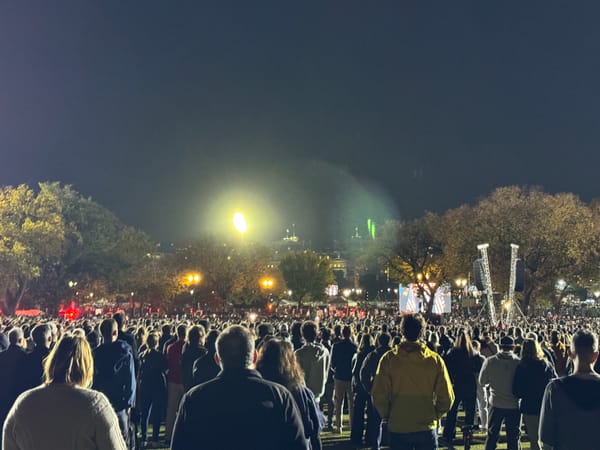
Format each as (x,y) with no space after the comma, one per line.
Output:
(192,278)
(267,283)
(460,282)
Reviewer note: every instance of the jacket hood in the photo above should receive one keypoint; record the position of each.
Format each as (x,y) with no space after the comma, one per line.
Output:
(585,393)
(314,350)
(417,348)
(117,352)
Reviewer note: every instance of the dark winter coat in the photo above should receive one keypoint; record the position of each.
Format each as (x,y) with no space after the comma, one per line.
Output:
(529,384)
(188,358)
(114,374)
(238,410)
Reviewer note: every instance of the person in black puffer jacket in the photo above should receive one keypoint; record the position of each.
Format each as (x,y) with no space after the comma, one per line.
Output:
(152,395)
(463,367)
(367,374)
(531,377)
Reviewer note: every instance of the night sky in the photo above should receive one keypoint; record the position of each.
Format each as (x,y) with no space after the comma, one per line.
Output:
(319,113)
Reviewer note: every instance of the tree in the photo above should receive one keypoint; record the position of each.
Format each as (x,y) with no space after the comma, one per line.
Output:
(53,235)
(32,235)
(410,253)
(307,275)
(557,234)
(231,271)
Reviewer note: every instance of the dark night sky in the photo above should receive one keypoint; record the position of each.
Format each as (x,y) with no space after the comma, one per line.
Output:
(319,113)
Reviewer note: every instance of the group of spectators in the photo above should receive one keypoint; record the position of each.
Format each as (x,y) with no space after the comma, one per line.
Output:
(277,384)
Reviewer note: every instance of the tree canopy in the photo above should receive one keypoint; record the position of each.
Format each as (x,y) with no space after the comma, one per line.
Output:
(307,275)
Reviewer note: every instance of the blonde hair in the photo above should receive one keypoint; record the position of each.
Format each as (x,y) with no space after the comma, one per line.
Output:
(531,350)
(70,362)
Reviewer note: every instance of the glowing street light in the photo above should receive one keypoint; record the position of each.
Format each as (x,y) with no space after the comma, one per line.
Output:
(239,222)
(192,278)
(460,282)
(267,283)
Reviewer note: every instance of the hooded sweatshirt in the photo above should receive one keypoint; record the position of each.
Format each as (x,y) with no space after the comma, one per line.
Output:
(571,413)
(412,388)
(498,372)
(114,374)
(314,360)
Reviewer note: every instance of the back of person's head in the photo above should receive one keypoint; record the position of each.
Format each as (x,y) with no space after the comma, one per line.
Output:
(16,336)
(70,362)
(531,350)
(463,342)
(93,339)
(325,333)
(383,339)
(120,319)
(412,326)
(555,337)
(264,329)
(366,343)
(205,323)
(108,330)
(211,341)
(346,332)
(584,344)
(277,362)
(152,341)
(337,330)
(166,329)
(181,331)
(42,335)
(235,348)
(309,331)
(195,335)
(295,330)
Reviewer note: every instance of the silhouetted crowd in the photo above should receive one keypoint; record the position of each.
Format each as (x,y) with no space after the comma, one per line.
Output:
(229,382)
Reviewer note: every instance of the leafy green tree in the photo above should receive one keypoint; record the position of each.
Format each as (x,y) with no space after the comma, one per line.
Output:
(77,240)
(232,272)
(32,235)
(307,275)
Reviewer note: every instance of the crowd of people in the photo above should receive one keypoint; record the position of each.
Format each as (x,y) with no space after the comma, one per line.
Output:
(232,382)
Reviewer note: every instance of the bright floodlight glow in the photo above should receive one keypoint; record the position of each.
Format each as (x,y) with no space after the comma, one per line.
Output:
(239,222)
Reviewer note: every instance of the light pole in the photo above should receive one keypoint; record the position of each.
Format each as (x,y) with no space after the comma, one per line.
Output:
(191,280)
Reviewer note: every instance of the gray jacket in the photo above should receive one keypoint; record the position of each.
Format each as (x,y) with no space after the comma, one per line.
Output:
(314,360)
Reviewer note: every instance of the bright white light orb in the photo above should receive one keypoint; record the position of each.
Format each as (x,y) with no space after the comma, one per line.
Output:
(239,222)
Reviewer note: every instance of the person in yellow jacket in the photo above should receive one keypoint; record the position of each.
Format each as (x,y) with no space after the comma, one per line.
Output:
(412,389)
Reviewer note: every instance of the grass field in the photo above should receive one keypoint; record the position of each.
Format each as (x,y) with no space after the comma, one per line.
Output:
(333,441)
(342,442)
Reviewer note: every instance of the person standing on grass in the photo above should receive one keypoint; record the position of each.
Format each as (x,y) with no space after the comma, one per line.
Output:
(361,396)
(238,409)
(412,389)
(175,389)
(498,373)
(114,373)
(570,411)
(277,362)
(366,376)
(152,391)
(531,378)
(463,366)
(313,358)
(341,364)
(64,413)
